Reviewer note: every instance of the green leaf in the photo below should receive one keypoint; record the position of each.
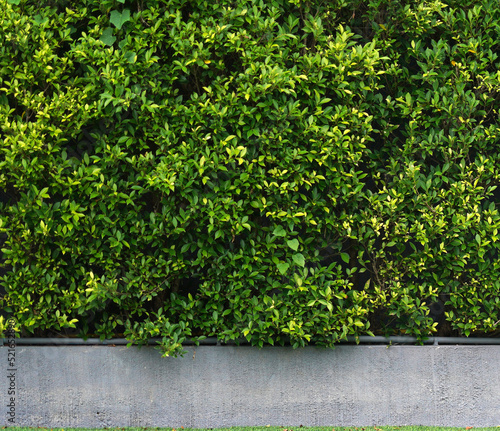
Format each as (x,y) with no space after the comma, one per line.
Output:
(283,267)
(122,43)
(293,244)
(43,193)
(345,257)
(299,259)
(279,231)
(39,20)
(107,37)
(131,57)
(119,18)
(13,1)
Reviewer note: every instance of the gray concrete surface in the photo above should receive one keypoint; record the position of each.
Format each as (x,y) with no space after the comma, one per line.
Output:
(222,386)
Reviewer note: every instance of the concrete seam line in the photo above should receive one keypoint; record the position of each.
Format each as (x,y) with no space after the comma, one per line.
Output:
(213,341)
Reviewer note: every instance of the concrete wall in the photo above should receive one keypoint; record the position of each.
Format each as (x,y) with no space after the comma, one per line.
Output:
(221,386)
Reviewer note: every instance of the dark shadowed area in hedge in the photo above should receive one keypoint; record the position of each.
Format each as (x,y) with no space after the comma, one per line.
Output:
(284,171)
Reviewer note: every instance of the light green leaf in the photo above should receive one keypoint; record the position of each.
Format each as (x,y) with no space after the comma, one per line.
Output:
(283,267)
(279,231)
(293,244)
(13,1)
(43,193)
(299,259)
(345,257)
(119,18)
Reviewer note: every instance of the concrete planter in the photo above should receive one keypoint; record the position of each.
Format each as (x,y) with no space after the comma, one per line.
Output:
(221,386)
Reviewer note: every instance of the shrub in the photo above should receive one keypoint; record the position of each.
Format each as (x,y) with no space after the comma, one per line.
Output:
(281,171)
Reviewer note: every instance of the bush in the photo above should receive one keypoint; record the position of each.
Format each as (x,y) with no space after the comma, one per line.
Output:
(281,171)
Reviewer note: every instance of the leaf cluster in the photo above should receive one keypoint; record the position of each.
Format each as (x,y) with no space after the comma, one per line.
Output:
(282,172)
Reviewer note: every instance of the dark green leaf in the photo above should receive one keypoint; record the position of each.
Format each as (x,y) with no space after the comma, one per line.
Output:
(107,37)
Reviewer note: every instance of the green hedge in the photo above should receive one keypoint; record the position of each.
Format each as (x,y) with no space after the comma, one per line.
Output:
(281,171)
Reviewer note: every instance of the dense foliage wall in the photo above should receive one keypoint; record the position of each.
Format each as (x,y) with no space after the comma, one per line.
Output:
(281,171)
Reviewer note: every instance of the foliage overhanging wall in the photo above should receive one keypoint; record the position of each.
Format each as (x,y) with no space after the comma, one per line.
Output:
(280,171)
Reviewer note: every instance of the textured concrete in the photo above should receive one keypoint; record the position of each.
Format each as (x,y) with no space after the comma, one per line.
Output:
(220,386)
